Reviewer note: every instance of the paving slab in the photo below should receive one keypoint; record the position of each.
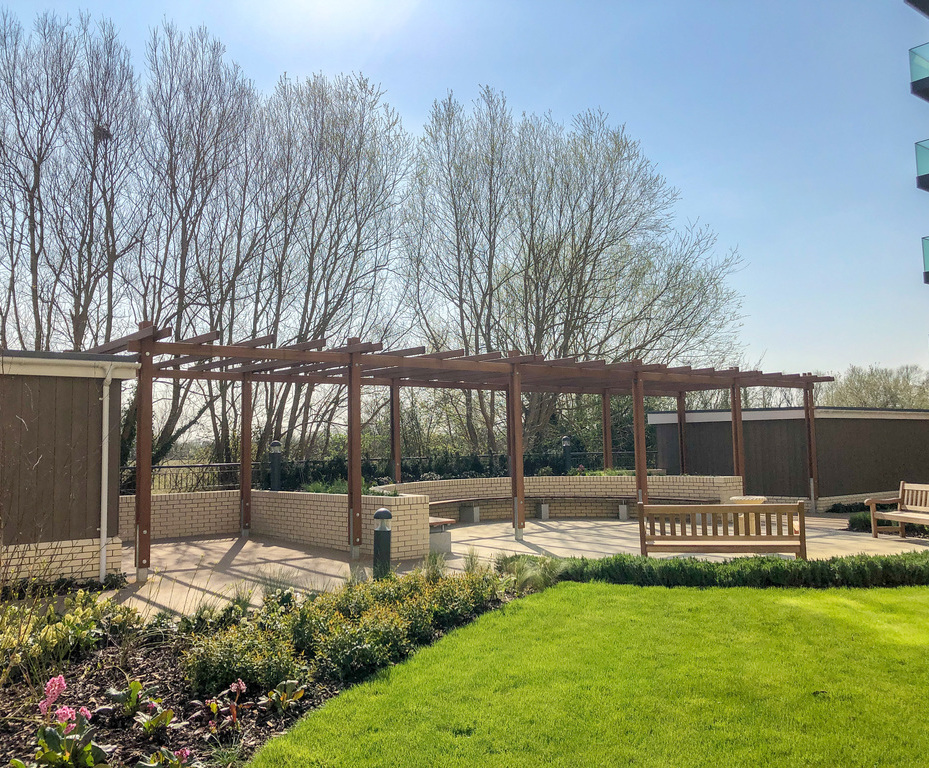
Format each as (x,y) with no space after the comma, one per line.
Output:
(593,538)
(190,572)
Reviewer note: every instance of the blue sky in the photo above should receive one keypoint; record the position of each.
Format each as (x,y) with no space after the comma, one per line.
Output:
(787,127)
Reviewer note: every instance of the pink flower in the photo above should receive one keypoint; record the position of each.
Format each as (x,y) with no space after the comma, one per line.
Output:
(152,706)
(182,754)
(54,688)
(65,714)
(237,687)
(85,713)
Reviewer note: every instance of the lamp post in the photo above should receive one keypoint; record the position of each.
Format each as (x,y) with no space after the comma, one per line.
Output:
(566,447)
(382,543)
(276,458)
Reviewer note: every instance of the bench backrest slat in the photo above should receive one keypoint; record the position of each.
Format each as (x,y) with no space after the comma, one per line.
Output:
(722,521)
(914,497)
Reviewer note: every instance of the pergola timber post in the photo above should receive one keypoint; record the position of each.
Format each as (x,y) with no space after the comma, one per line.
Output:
(809,416)
(143,458)
(245,458)
(682,430)
(395,453)
(638,433)
(738,441)
(606,418)
(354,456)
(515,434)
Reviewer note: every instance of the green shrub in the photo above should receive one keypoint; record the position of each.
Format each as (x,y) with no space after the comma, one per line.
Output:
(351,632)
(861,521)
(906,569)
(36,639)
(528,573)
(259,656)
(349,651)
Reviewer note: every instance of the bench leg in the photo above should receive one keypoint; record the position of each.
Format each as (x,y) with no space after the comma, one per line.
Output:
(874,520)
(902,530)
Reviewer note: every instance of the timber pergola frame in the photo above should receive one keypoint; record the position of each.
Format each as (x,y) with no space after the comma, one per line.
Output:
(356,364)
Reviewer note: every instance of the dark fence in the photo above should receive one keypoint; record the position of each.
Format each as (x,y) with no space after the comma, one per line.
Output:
(188,478)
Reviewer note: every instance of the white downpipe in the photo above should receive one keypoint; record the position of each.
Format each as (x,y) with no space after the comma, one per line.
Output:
(105,471)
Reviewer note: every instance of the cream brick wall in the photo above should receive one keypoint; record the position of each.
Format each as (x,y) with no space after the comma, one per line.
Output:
(568,496)
(209,513)
(321,520)
(74,559)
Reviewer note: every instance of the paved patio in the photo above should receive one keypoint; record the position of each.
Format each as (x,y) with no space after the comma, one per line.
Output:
(190,572)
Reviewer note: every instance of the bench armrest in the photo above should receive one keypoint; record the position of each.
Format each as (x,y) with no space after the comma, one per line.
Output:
(875,502)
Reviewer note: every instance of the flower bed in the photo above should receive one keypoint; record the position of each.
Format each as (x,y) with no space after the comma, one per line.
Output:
(212,687)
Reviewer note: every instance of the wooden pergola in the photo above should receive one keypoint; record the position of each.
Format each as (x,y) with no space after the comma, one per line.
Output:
(356,364)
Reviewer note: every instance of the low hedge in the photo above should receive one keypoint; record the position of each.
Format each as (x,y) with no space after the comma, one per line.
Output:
(861,521)
(906,569)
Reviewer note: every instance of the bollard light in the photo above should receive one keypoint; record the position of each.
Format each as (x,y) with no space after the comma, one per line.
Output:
(276,458)
(566,447)
(382,543)
(383,517)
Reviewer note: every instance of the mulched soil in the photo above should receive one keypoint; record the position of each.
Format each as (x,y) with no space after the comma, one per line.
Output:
(154,665)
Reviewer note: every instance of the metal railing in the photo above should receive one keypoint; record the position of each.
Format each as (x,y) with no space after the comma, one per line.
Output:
(190,478)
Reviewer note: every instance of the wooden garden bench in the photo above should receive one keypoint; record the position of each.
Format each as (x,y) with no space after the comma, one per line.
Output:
(912,507)
(723,528)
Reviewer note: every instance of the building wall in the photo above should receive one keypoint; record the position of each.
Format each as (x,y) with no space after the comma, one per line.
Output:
(858,455)
(321,520)
(49,560)
(855,456)
(50,458)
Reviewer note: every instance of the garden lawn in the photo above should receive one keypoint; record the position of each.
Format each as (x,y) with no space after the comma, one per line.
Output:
(600,675)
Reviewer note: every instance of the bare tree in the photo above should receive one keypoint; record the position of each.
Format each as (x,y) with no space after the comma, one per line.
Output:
(35,76)
(528,236)
(457,227)
(95,203)
(340,157)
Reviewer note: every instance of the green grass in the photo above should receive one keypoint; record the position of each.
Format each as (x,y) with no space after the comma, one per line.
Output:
(601,675)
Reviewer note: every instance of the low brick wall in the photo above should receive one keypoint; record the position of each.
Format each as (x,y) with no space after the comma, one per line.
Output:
(48,560)
(568,497)
(174,515)
(321,520)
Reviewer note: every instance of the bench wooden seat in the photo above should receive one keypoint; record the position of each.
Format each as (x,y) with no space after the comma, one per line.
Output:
(440,522)
(723,528)
(912,507)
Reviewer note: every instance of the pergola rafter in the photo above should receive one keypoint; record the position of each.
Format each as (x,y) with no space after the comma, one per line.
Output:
(356,364)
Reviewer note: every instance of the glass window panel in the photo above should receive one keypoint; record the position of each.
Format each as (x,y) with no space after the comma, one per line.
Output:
(919,62)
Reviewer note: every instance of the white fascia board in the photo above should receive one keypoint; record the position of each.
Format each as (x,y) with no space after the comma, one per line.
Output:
(63,367)
(697,417)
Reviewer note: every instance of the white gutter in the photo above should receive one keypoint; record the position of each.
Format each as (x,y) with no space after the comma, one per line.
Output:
(105,471)
(81,369)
